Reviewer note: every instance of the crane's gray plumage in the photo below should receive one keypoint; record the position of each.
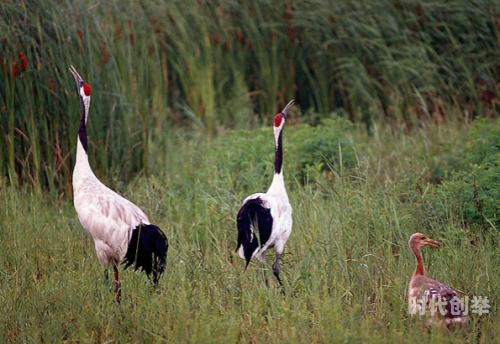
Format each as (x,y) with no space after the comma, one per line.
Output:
(121,231)
(265,219)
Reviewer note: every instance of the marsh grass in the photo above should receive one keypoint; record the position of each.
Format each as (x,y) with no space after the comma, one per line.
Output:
(156,66)
(345,268)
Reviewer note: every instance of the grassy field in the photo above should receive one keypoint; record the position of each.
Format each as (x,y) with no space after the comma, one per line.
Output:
(345,267)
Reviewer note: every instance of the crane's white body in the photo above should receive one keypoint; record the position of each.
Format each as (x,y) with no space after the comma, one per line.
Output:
(105,215)
(121,231)
(270,213)
(275,199)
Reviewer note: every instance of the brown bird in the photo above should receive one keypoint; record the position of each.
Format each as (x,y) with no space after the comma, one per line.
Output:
(428,295)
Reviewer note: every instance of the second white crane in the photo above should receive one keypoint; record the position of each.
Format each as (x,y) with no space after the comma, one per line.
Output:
(265,219)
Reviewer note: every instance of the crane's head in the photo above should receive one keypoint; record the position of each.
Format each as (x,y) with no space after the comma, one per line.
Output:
(279,122)
(84,90)
(419,240)
(279,119)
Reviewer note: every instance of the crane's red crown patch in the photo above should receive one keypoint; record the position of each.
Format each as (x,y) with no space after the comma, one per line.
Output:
(87,89)
(277,119)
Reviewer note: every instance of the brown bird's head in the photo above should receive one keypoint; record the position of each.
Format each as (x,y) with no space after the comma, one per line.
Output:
(418,240)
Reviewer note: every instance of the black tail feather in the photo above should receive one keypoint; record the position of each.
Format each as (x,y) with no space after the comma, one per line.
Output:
(147,250)
(253,214)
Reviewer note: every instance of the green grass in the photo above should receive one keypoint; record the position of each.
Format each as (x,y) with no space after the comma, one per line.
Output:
(345,268)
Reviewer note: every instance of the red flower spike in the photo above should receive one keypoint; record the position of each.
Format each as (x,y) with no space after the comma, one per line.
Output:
(291,33)
(52,85)
(220,10)
(240,36)
(287,15)
(104,55)
(14,70)
(216,38)
(80,35)
(131,36)
(24,61)
(248,44)
(418,9)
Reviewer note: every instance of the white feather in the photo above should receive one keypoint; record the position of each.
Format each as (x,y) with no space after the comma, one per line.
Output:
(276,200)
(105,215)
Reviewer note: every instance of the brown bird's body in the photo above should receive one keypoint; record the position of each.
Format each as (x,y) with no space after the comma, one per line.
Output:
(426,295)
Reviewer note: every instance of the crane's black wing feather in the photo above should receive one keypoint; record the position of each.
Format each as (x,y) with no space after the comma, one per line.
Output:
(253,217)
(147,250)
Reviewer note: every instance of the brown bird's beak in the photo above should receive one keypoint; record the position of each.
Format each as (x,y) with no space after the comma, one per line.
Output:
(433,243)
(77,76)
(287,107)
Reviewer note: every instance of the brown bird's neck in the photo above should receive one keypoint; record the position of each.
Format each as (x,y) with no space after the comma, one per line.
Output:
(419,270)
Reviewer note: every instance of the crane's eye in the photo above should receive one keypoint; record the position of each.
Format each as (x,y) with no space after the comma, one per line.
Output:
(87,89)
(422,238)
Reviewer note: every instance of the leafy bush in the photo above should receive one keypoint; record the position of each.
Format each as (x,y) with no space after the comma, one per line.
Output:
(475,193)
(319,148)
(471,177)
(482,142)
(308,151)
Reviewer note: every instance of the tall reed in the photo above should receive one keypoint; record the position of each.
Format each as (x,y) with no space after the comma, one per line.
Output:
(158,65)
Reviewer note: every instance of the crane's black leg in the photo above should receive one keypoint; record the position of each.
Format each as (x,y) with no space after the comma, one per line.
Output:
(118,286)
(276,272)
(106,275)
(264,271)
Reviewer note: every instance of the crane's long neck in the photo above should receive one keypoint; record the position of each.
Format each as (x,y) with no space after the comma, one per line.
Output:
(419,269)
(278,154)
(82,129)
(82,166)
(278,184)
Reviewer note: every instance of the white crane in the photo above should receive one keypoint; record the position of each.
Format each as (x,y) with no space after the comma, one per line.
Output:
(121,231)
(268,214)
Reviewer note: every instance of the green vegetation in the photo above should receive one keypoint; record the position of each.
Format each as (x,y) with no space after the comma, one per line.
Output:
(345,267)
(381,144)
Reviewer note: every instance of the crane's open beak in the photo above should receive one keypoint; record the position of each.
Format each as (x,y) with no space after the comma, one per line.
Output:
(77,76)
(433,243)
(287,107)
